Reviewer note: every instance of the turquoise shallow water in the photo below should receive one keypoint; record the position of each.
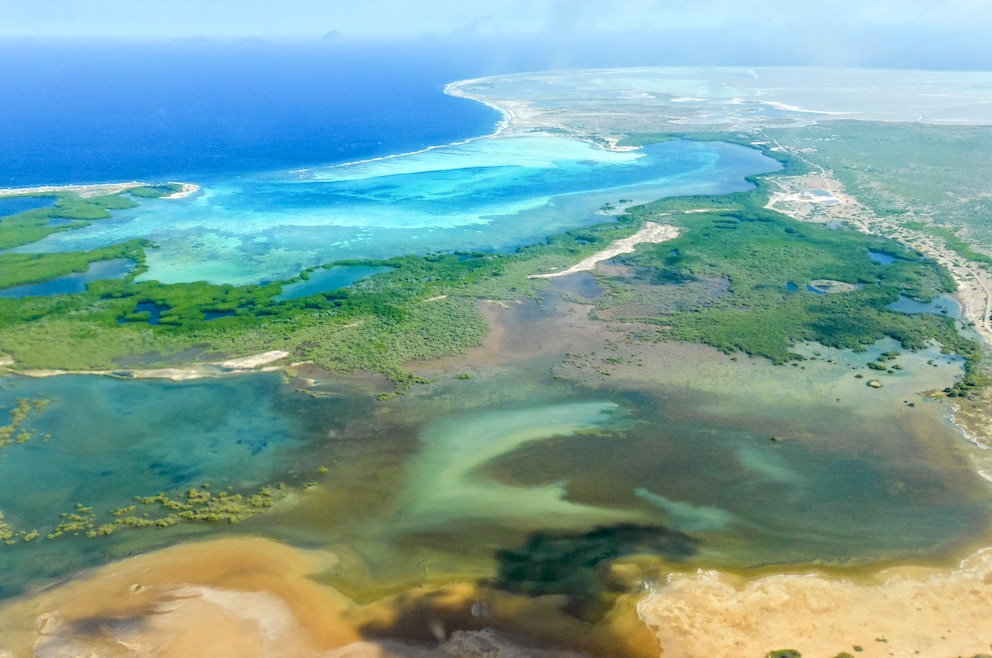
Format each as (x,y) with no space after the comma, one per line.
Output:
(327,279)
(487,194)
(111,440)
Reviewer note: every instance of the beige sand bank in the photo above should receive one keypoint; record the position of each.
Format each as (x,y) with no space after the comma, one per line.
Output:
(231,597)
(900,612)
(651,233)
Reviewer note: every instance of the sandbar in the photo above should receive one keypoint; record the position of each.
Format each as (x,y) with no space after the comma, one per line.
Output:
(650,233)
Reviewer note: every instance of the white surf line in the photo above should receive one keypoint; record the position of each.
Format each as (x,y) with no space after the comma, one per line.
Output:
(651,233)
(451,90)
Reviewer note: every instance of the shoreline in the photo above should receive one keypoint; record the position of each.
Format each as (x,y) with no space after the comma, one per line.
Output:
(93,189)
(518,118)
(255,363)
(651,233)
(898,611)
(501,127)
(823,600)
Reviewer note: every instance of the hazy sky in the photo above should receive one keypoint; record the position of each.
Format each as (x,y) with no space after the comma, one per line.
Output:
(269,18)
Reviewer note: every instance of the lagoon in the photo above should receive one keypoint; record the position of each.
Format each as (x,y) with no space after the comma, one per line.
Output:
(73,283)
(941,305)
(328,279)
(490,194)
(10,206)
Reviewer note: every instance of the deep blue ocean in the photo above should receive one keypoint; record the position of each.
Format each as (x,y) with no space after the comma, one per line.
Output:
(261,128)
(92,112)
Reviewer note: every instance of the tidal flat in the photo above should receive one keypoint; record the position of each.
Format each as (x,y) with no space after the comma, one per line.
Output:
(680,456)
(554,490)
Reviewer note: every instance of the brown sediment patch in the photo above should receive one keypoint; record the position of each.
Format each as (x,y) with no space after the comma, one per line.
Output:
(249,597)
(898,612)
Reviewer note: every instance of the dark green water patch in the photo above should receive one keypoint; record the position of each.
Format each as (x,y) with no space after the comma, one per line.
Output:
(568,564)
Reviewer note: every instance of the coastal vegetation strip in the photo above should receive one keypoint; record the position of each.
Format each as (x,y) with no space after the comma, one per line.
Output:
(734,262)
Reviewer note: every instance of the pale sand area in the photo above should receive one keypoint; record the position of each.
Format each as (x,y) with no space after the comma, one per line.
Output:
(254,363)
(523,116)
(650,233)
(898,612)
(99,189)
(187,189)
(603,105)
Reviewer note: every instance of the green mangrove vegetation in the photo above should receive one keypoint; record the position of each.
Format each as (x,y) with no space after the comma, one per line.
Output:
(155,191)
(14,432)
(19,269)
(424,307)
(736,279)
(164,511)
(70,212)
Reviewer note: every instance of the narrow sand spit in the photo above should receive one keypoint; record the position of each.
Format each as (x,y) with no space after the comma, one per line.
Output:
(651,233)
(253,363)
(99,189)
(188,188)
